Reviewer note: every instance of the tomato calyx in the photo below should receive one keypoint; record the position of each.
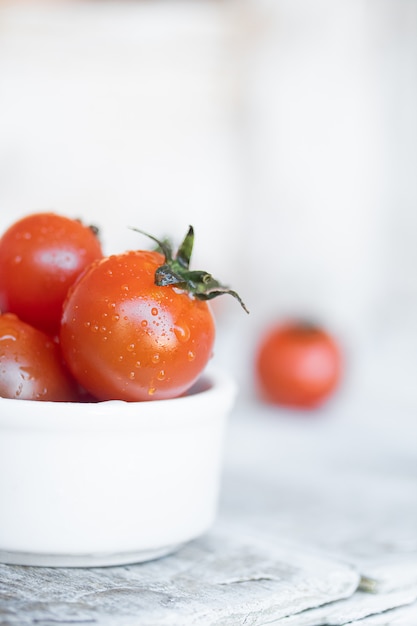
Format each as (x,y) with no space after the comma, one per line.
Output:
(307,327)
(175,271)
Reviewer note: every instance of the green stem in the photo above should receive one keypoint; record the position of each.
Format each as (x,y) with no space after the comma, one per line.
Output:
(175,271)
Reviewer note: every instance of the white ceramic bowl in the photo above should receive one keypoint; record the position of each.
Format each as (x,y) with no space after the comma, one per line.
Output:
(110,482)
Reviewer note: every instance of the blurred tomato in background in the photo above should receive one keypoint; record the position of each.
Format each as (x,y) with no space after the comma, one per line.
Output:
(298,364)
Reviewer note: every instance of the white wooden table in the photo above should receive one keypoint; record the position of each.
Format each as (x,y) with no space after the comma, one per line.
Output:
(317,526)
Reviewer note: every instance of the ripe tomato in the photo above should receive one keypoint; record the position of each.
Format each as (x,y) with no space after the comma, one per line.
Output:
(31,365)
(136,325)
(298,365)
(40,257)
(126,338)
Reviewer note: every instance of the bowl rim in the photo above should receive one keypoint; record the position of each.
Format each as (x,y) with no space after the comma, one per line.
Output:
(214,391)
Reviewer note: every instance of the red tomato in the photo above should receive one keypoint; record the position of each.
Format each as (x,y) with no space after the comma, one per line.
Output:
(298,365)
(136,326)
(31,365)
(124,337)
(41,255)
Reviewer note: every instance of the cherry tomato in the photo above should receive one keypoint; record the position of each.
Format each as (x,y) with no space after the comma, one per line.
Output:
(137,325)
(298,365)
(31,365)
(41,255)
(124,337)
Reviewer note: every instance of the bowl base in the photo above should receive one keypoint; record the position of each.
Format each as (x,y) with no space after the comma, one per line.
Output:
(85,560)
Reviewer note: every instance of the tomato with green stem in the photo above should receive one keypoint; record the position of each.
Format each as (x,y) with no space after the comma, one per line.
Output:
(137,325)
(41,255)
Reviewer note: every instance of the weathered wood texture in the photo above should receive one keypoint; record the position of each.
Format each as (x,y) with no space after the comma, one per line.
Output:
(357,607)
(303,523)
(218,579)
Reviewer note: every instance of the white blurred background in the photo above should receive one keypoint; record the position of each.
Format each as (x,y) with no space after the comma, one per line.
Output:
(285,131)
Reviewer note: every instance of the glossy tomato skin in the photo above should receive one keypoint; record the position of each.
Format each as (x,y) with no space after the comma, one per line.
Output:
(298,365)
(123,337)
(41,255)
(31,364)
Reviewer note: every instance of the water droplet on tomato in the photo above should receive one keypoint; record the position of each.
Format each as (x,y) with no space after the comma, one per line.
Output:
(191,355)
(137,364)
(9,334)
(94,328)
(182,332)
(103,329)
(26,374)
(144,323)
(125,287)
(155,358)
(151,391)
(87,324)
(161,375)
(115,317)
(132,375)
(154,311)
(130,347)
(121,357)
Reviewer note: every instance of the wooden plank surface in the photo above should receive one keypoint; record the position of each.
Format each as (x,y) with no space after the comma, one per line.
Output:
(217,579)
(299,529)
